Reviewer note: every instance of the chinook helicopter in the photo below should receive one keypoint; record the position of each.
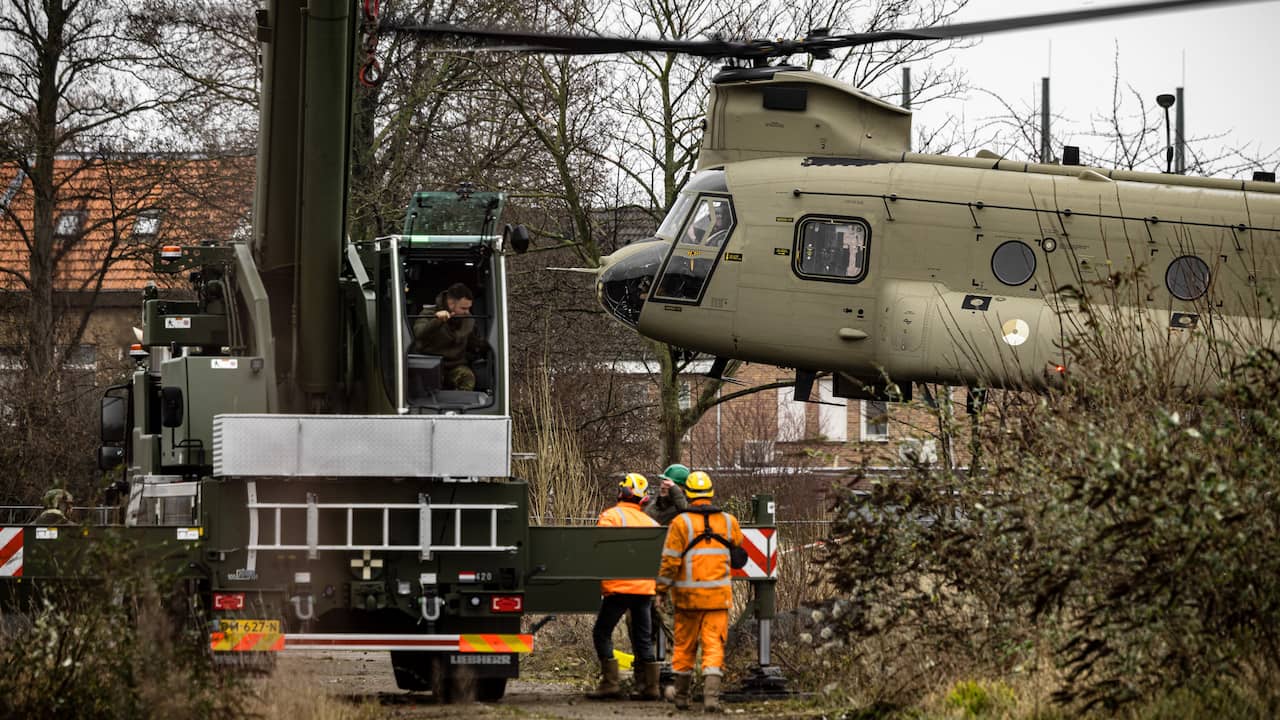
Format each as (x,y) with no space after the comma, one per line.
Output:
(811,237)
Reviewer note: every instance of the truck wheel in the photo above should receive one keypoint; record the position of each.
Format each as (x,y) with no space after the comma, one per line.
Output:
(491,689)
(452,683)
(412,670)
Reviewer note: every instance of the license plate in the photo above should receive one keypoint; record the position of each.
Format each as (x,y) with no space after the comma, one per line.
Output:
(246,636)
(241,627)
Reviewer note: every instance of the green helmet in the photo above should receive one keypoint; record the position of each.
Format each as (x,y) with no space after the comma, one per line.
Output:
(676,473)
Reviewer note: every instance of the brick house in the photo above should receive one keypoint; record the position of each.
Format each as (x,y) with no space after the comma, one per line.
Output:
(767,441)
(111,214)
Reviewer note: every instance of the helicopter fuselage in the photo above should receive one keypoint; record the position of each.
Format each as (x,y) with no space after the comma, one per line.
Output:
(957,270)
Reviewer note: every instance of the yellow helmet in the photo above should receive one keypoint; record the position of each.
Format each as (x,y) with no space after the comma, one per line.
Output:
(698,485)
(635,483)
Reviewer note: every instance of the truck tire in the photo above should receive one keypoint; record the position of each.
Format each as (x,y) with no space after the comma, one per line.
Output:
(420,672)
(491,689)
(452,684)
(413,670)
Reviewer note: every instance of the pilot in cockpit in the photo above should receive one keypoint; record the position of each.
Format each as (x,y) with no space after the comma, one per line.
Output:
(710,226)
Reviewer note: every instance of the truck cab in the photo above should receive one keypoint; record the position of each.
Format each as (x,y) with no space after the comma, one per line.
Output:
(449,239)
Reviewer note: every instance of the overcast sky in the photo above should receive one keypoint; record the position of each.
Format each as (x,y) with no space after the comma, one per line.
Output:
(1231,58)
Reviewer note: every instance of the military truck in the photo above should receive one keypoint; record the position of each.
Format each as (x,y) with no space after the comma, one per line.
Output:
(293,454)
(399,529)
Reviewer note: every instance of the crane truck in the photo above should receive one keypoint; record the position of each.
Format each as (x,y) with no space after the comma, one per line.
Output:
(291,452)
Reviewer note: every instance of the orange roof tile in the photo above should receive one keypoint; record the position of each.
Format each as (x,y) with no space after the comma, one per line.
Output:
(193,199)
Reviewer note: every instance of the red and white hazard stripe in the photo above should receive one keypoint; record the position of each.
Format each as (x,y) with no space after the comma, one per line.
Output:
(468,643)
(761,545)
(11,552)
(364,641)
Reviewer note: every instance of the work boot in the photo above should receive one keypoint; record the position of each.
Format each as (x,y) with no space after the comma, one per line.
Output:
(680,694)
(711,692)
(646,678)
(610,687)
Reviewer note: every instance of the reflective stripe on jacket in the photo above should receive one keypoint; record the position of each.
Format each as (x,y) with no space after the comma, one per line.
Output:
(699,580)
(626,514)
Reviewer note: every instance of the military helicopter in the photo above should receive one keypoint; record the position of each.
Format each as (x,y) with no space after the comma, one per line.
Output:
(810,237)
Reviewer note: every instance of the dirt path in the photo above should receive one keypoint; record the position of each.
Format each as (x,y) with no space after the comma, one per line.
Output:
(367,678)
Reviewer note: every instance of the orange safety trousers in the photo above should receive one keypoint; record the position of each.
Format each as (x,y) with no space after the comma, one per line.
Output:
(710,628)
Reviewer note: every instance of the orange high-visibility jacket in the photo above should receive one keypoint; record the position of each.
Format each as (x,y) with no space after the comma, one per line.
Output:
(700,579)
(626,514)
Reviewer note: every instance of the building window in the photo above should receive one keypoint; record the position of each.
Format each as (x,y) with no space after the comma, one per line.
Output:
(83,357)
(756,453)
(833,413)
(686,395)
(790,416)
(875,421)
(146,227)
(70,224)
(80,368)
(832,249)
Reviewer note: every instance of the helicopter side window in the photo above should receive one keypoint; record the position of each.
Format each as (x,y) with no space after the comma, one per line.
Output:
(832,248)
(1187,277)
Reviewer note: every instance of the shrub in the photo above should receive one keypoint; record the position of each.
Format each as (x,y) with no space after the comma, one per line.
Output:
(1112,528)
(977,699)
(126,645)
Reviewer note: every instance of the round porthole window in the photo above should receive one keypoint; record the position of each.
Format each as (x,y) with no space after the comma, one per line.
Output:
(1187,277)
(1013,263)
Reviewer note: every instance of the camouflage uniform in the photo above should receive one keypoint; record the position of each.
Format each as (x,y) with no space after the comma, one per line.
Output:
(450,339)
(53,514)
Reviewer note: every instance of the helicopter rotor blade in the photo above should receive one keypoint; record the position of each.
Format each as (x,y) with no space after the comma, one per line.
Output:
(551,43)
(987,27)
(819,44)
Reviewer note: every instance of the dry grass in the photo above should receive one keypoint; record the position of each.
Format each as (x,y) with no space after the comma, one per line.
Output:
(559,486)
(291,695)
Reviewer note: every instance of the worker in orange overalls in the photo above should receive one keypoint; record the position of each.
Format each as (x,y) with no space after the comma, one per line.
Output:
(626,596)
(695,568)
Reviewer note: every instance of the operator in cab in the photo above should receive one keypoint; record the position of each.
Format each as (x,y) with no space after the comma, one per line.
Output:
(446,329)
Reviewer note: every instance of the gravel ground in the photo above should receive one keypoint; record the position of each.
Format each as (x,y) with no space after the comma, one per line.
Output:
(367,678)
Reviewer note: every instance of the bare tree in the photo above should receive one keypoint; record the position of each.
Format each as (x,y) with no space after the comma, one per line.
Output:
(69,87)
(1129,134)
(88,165)
(210,50)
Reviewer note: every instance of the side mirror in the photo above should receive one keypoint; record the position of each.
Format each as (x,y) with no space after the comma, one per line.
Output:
(171,407)
(110,457)
(515,237)
(115,418)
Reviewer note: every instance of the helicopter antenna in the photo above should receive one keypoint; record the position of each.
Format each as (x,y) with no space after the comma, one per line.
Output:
(1165,100)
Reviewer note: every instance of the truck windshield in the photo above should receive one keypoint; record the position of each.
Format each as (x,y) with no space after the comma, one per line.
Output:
(451,215)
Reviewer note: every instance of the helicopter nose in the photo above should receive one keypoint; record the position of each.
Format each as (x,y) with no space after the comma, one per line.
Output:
(627,277)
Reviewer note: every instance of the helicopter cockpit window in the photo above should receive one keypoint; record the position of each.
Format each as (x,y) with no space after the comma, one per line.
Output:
(832,248)
(675,218)
(696,249)
(707,181)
